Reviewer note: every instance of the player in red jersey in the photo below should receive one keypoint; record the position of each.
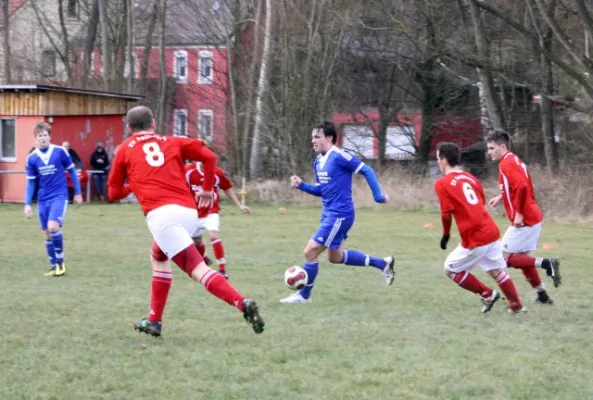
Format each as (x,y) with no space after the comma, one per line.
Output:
(524,213)
(462,196)
(153,165)
(210,217)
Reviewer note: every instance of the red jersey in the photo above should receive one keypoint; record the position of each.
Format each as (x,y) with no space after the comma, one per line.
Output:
(154,167)
(517,190)
(83,178)
(194,175)
(462,195)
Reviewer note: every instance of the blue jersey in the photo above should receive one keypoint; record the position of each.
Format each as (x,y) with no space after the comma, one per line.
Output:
(333,172)
(48,167)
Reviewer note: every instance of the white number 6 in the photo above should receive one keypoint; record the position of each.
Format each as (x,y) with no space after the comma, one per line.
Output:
(470,194)
(154,155)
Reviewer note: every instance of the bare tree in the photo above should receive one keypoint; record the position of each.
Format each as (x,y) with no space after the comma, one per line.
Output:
(6,41)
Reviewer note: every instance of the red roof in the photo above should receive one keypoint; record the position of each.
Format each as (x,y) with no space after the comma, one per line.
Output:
(13,6)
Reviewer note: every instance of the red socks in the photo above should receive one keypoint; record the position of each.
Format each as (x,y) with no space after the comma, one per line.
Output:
(219,254)
(507,287)
(161,283)
(469,282)
(201,248)
(527,265)
(216,284)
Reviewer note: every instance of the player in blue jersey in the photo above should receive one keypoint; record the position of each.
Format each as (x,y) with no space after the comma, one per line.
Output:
(46,167)
(334,168)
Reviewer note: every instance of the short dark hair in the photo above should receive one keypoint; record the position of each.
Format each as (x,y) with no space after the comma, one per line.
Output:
(328,129)
(139,118)
(449,151)
(499,137)
(41,127)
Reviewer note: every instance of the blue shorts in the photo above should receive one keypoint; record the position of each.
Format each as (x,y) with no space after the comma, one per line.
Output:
(52,210)
(333,230)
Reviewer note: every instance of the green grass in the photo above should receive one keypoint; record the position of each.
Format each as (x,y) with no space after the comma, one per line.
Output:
(422,338)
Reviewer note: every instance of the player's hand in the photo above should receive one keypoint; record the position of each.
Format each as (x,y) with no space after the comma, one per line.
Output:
(205,199)
(295,181)
(382,199)
(28,212)
(244,209)
(77,200)
(494,201)
(444,241)
(518,220)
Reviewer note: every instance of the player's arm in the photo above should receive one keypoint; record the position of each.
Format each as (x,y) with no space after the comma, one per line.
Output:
(225,184)
(195,150)
(354,165)
(446,213)
(314,190)
(116,188)
(31,183)
(518,185)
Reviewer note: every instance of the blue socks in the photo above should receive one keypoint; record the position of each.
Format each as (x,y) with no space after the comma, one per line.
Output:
(58,244)
(359,259)
(51,252)
(312,269)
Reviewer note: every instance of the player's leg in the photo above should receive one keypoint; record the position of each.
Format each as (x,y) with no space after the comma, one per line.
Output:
(57,213)
(457,267)
(162,277)
(171,227)
(213,228)
(334,241)
(311,254)
(198,239)
(494,265)
(517,243)
(43,214)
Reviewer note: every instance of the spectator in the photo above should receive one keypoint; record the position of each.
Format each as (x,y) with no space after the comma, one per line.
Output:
(73,155)
(100,163)
(83,178)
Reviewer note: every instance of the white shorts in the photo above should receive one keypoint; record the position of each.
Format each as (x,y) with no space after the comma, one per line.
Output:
(487,257)
(171,226)
(209,223)
(521,240)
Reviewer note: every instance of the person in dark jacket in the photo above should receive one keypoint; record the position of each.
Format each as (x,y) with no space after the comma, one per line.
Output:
(100,164)
(73,155)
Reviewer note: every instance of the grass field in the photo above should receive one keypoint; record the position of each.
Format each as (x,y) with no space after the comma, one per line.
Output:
(422,338)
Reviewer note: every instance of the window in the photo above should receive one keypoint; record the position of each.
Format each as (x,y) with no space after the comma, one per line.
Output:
(400,142)
(205,67)
(205,123)
(72,8)
(181,66)
(7,140)
(180,123)
(48,63)
(131,65)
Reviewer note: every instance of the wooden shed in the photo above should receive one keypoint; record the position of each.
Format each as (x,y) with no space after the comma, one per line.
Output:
(79,116)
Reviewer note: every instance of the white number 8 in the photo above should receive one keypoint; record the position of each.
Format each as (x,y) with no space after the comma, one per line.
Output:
(470,194)
(154,155)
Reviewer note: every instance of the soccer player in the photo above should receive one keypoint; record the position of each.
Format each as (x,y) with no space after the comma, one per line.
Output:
(153,165)
(209,217)
(46,166)
(334,168)
(462,196)
(525,215)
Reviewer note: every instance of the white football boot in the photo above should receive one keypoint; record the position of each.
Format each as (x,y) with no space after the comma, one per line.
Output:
(295,298)
(388,271)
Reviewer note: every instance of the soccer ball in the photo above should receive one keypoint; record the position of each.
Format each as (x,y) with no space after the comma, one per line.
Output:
(296,278)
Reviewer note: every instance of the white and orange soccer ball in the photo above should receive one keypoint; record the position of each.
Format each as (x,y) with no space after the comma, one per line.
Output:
(296,278)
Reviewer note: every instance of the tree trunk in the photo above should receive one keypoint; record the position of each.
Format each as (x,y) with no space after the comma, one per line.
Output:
(66,40)
(493,106)
(250,88)
(131,46)
(547,110)
(89,44)
(6,44)
(255,161)
(148,44)
(161,106)
(106,56)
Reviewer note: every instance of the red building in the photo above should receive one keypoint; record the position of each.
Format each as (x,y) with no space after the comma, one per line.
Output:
(81,117)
